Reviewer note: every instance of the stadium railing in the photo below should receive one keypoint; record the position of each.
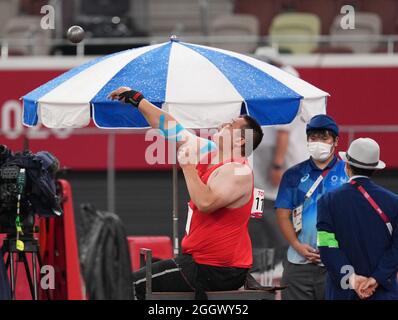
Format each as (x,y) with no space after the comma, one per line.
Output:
(387,43)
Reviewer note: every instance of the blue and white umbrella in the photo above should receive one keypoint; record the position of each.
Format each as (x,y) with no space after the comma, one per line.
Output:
(200,86)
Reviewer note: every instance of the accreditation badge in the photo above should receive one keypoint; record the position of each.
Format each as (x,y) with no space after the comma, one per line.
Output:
(297,215)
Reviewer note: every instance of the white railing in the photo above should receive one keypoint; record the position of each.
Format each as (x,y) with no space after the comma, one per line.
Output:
(353,130)
(388,41)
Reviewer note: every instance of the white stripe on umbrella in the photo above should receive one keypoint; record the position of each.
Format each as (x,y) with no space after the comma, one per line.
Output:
(192,77)
(185,84)
(74,111)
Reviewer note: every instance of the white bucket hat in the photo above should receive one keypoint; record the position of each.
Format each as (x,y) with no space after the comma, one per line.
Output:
(363,153)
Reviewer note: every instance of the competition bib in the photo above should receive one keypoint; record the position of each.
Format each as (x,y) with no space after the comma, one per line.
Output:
(258,203)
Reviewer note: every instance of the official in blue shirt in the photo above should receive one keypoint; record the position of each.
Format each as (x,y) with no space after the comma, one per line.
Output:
(296,209)
(358,231)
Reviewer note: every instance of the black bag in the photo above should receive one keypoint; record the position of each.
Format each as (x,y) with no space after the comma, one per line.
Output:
(104,256)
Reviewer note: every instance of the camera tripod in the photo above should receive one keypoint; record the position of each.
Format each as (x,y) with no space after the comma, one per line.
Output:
(31,246)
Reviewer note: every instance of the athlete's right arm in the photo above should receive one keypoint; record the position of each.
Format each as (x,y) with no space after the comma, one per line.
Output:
(156,117)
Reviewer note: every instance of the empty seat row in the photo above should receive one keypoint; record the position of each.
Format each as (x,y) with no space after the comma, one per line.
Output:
(266,10)
(305,27)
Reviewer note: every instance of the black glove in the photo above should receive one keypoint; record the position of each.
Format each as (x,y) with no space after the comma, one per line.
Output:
(133,97)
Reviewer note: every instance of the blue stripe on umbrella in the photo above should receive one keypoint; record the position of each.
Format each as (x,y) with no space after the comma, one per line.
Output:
(30,100)
(147,74)
(263,94)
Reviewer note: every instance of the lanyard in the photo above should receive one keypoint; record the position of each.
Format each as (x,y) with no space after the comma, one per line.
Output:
(316,184)
(375,206)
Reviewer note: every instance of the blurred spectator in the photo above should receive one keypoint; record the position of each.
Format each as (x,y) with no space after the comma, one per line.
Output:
(8,10)
(281,148)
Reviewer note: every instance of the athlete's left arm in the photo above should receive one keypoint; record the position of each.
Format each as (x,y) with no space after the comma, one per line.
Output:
(226,185)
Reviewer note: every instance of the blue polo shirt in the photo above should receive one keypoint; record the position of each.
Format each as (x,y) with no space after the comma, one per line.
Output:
(295,183)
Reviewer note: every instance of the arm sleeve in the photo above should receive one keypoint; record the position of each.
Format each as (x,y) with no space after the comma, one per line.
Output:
(204,148)
(386,271)
(331,255)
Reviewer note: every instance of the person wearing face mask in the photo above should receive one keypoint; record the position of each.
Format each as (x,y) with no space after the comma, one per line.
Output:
(296,209)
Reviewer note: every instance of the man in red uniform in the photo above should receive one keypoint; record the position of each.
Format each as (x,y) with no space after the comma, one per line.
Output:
(217,252)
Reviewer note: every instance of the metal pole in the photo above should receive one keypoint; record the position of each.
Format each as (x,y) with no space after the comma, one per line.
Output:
(12,274)
(148,275)
(350,136)
(34,261)
(111,172)
(204,16)
(175,210)
(80,49)
(25,143)
(59,23)
(390,46)
(4,50)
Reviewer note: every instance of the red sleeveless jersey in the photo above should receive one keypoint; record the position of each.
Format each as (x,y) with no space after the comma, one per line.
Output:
(220,238)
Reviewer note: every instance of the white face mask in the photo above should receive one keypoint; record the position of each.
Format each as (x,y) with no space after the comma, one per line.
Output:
(319,150)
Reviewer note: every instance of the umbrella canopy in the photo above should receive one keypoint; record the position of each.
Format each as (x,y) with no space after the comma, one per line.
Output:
(200,86)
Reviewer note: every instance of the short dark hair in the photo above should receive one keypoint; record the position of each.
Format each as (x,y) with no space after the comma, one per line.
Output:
(321,132)
(360,171)
(258,134)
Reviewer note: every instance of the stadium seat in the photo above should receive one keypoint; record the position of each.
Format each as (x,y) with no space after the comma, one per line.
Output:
(300,24)
(27,28)
(188,17)
(31,7)
(325,9)
(386,9)
(241,25)
(160,246)
(367,26)
(264,10)
(8,10)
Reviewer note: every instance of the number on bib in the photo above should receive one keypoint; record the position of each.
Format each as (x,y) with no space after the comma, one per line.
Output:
(258,203)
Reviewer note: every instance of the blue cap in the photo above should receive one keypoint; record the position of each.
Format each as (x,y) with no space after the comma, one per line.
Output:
(323,121)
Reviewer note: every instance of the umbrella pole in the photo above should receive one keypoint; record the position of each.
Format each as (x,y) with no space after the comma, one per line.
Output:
(175,210)
(111,173)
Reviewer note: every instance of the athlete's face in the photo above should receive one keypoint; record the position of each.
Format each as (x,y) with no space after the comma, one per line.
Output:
(229,134)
